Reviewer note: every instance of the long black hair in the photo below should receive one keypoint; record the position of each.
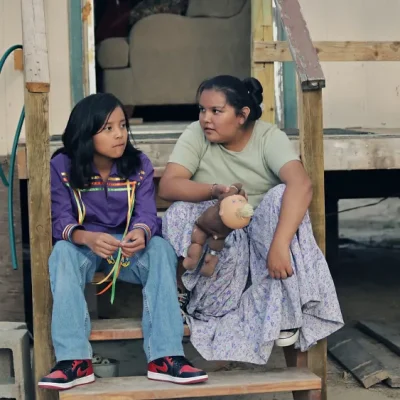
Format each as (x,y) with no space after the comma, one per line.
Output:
(239,94)
(86,119)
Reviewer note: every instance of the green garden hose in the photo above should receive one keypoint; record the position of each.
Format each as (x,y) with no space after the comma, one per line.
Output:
(10,182)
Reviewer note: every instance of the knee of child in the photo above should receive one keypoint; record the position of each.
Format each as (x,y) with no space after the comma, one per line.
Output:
(61,248)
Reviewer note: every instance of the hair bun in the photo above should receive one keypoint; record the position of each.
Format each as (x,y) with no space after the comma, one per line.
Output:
(255,91)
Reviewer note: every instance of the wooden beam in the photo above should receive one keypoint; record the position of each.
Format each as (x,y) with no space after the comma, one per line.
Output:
(18,60)
(37,77)
(303,52)
(262,29)
(384,333)
(37,84)
(312,155)
(345,347)
(120,329)
(330,51)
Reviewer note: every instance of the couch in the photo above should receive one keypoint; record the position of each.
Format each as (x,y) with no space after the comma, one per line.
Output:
(167,56)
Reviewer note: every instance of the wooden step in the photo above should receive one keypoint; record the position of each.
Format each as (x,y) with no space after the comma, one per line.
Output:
(219,384)
(99,276)
(119,329)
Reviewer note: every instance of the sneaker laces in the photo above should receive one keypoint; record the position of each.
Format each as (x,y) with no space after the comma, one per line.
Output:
(181,361)
(63,366)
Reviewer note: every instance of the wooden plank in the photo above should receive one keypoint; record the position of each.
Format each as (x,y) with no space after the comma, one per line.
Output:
(301,47)
(22,165)
(344,346)
(18,60)
(37,84)
(295,358)
(389,359)
(342,152)
(388,335)
(161,204)
(311,144)
(330,51)
(219,384)
(119,329)
(37,77)
(37,136)
(262,29)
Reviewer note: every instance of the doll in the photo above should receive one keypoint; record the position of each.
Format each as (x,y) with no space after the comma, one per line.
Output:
(232,211)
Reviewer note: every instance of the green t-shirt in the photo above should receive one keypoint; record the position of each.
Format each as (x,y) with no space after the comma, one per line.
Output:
(256,166)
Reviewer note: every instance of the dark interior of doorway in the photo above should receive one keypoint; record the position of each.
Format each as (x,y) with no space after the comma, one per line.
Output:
(119,12)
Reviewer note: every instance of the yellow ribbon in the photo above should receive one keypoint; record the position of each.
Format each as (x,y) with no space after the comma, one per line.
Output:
(121,261)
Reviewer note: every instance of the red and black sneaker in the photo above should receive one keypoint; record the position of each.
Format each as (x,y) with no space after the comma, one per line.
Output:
(176,369)
(67,374)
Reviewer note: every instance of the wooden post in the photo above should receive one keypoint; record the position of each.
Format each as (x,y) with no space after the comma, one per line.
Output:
(311,82)
(37,82)
(312,155)
(262,30)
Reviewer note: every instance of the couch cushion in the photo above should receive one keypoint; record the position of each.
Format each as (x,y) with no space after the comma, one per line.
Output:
(214,8)
(113,53)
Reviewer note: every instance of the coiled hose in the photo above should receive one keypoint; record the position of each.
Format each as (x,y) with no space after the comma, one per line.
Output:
(9,183)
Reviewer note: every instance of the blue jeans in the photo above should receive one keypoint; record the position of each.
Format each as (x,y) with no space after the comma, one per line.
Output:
(71,267)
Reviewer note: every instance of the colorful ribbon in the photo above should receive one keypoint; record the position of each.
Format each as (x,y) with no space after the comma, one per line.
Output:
(121,261)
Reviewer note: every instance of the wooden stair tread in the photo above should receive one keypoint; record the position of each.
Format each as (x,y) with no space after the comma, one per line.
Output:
(219,384)
(99,276)
(119,329)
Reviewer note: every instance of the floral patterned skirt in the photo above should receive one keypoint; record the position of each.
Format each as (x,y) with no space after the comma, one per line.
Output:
(237,313)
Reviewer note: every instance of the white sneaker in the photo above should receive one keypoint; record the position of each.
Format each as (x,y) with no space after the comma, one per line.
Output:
(287,338)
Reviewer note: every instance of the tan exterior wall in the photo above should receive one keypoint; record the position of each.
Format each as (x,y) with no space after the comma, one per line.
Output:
(11,81)
(358,94)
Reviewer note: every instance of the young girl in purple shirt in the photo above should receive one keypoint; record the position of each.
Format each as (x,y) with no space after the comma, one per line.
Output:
(103,214)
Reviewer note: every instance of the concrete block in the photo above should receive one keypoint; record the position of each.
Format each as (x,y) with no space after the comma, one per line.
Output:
(15,366)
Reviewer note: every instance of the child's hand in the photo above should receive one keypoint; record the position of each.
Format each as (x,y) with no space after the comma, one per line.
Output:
(133,242)
(102,244)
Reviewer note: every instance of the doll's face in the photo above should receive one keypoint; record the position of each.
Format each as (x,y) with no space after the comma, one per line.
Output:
(229,212)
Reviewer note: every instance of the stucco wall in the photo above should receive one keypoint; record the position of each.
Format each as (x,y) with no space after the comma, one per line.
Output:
(11,81)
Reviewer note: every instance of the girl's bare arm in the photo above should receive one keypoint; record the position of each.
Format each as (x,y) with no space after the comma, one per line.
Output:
(175,185)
